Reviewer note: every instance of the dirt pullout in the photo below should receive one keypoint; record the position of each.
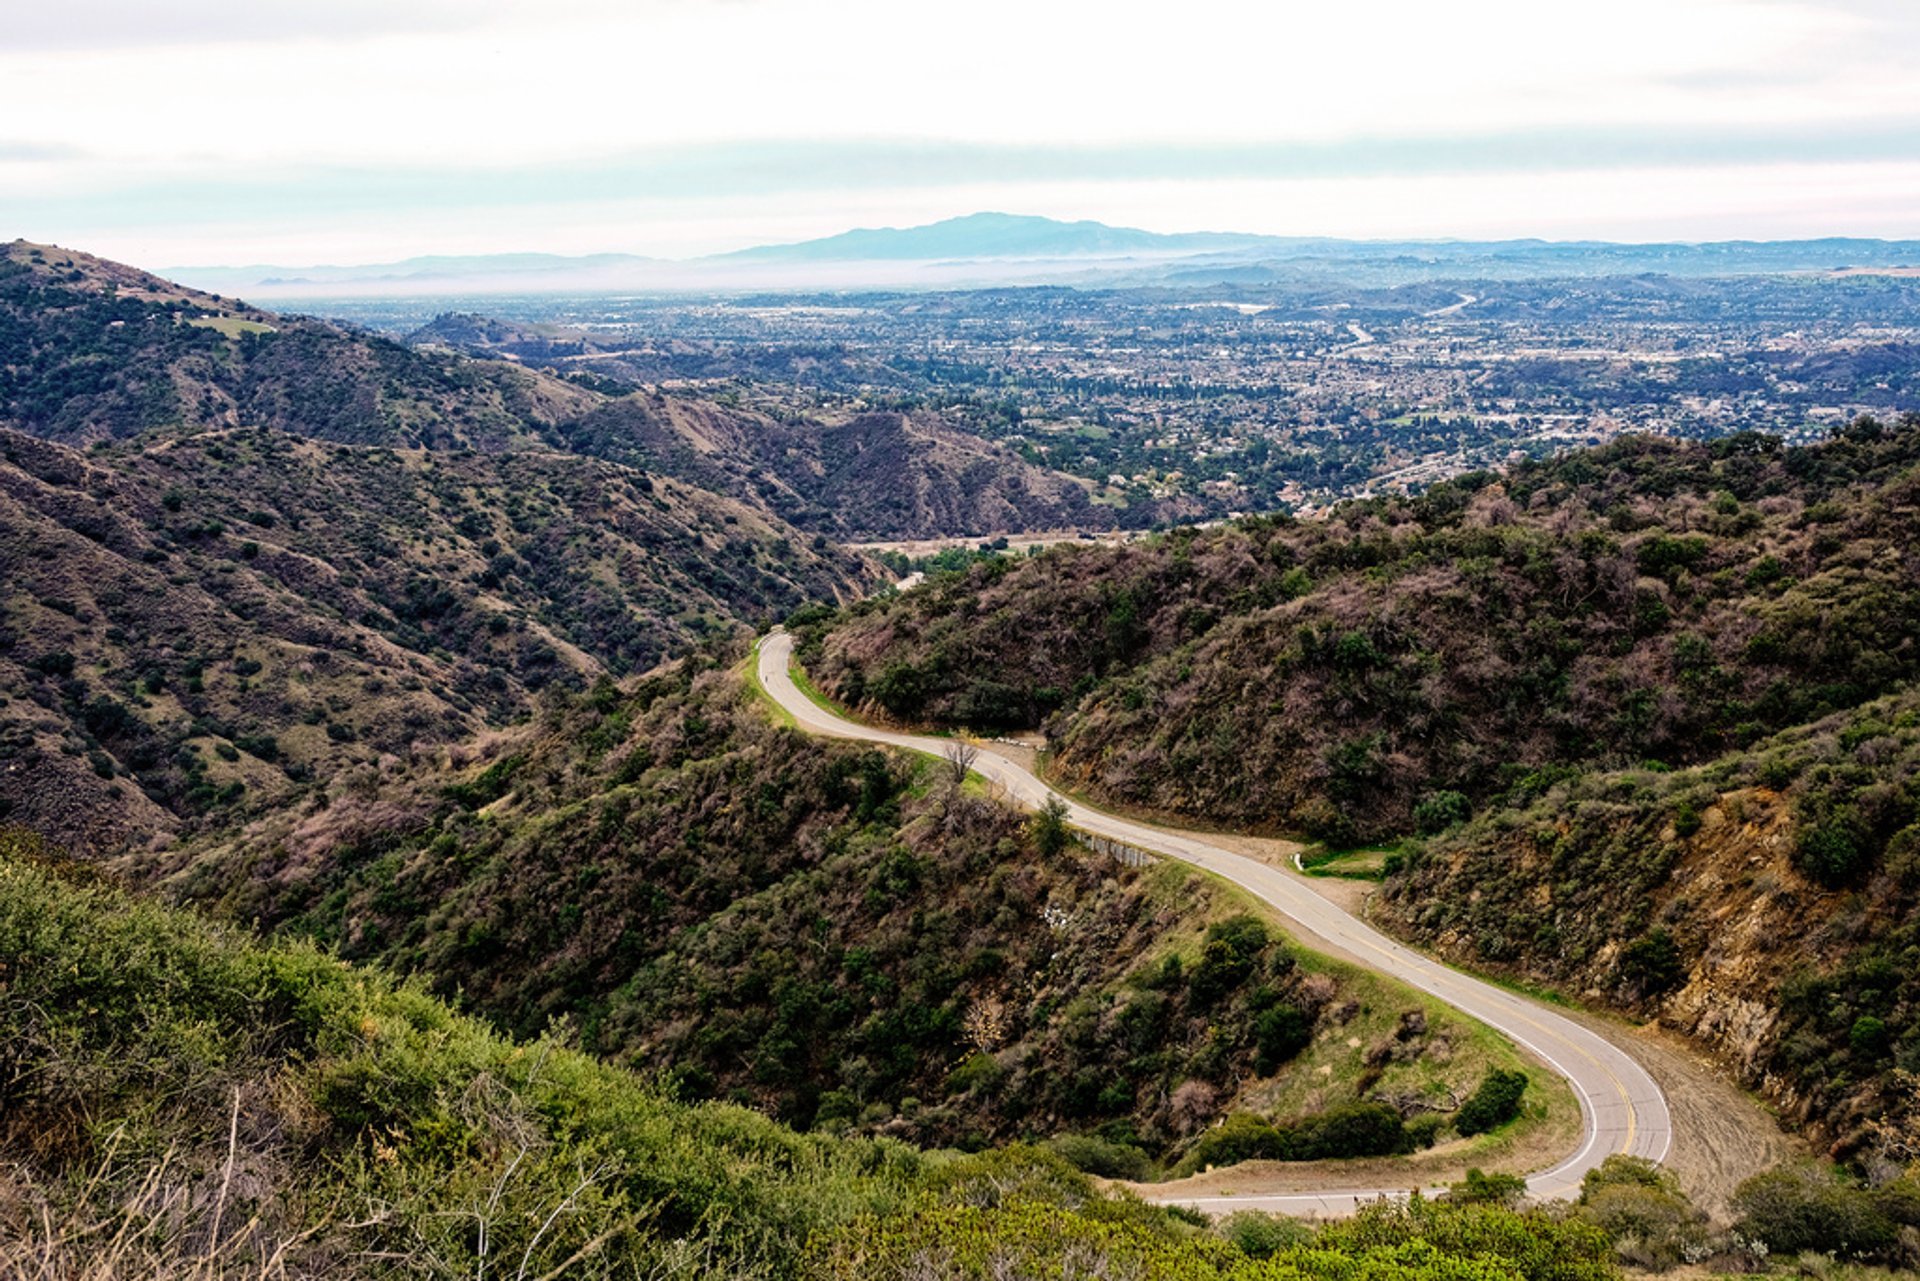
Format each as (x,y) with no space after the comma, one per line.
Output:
(1721,1134)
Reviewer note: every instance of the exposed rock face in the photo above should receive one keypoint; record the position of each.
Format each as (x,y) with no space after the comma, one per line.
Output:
(1698,909)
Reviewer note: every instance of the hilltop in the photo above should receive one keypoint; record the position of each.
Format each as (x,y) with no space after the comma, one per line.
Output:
(1647,601)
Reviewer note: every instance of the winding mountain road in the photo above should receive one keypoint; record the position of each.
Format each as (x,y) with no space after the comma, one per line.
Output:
(1622,1109)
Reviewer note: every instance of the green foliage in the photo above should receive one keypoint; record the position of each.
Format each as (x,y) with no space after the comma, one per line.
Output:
(1096,1155)
(1652,964)
(1438,811)
(1426,1242)
(1261,1236)
(132,1034)
(1494,1103)
(1349,1130)
(488,786)
(1280,1033)
(1641,1207)
(1228,956)
(1051,834)
(1807,1208)
(1532,1244)
(900,688)
(1481,1188)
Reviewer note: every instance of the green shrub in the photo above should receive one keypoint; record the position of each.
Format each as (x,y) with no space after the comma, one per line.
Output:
(1241,1137)
(1641,1208)
(1095,1155)
(1438,811)
(1228,956)
(1279,1034)
(1482,1188)
(1493,1104)
(1652,964)
(1351,1130)
(1261,1236)
(1807,1208)
(1830,853)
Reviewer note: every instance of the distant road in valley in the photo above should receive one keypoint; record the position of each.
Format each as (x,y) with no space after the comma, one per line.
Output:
(1622,1108)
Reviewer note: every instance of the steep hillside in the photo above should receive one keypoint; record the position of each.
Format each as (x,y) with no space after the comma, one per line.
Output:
(1767,904)
(875,475)
(195,624)
(1649,601)
(180,1101)
(839,938)
(93,350)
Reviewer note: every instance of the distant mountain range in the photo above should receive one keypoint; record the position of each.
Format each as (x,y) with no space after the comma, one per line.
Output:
(988,249)
(1005,236)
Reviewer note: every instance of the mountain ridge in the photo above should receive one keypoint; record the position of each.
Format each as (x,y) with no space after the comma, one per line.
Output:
(988,248)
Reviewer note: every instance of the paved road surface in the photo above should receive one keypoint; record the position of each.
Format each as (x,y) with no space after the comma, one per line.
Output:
(1621,1106)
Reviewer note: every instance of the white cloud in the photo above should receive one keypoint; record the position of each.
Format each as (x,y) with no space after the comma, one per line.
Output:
(106,98)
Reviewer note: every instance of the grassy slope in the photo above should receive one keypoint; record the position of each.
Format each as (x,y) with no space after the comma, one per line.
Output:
(182,1101)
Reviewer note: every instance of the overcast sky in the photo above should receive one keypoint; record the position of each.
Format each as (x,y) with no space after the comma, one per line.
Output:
(174,132)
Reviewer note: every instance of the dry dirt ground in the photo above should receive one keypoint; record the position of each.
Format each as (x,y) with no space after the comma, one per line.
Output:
(1538,1147)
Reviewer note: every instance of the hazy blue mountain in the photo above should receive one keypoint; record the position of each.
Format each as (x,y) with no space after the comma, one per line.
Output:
(999,235)
(992,249)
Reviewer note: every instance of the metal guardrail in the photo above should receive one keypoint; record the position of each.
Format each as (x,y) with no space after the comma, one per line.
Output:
(1131,855)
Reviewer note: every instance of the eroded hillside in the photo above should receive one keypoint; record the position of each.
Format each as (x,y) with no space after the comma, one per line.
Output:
(1767,904)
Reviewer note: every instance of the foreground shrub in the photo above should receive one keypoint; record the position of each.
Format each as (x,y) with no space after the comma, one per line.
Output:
(1422,1242)
(1652,1223)
(1793,1209)
(177,1099)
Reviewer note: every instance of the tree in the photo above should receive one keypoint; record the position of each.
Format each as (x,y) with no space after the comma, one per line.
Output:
(960,756)
(1050,830)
